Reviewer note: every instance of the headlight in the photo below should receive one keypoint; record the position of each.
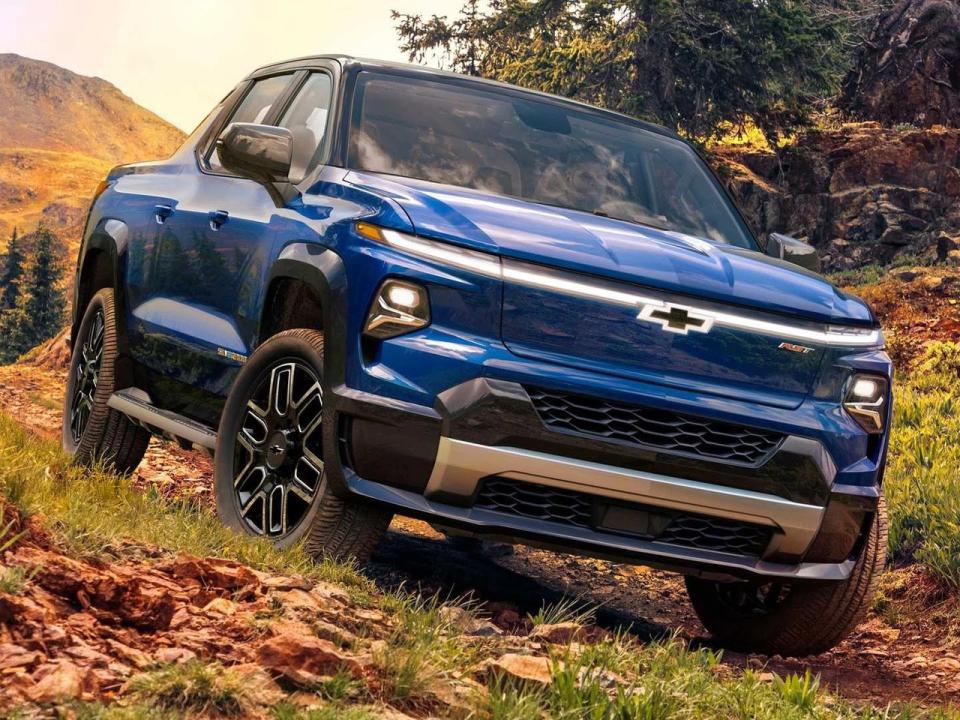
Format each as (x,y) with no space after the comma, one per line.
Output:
(452,255)
(866,401)
(398,307)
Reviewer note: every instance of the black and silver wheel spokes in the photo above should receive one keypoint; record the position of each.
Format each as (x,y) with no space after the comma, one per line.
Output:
(278,461)
(86,376)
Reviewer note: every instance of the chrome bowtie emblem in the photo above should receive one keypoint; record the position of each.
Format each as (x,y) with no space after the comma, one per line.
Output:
(675,318)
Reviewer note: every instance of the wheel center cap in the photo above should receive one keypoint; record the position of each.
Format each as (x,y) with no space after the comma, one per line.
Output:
(277,448)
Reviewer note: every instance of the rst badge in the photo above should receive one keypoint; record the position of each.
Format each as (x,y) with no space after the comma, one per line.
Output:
(802,349)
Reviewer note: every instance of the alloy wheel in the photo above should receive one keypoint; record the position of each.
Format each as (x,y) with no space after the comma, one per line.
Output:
(87,375)
(278,460)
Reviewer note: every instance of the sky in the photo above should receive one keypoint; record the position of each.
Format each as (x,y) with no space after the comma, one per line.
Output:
(179,57)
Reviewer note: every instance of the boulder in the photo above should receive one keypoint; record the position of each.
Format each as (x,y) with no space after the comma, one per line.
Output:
(305,660)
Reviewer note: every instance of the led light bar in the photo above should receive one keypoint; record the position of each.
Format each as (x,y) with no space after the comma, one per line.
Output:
(569,284)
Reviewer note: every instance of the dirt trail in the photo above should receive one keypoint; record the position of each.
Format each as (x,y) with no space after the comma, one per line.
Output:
(916,660)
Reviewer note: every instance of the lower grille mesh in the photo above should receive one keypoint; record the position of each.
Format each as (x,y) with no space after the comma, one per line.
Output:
(650,427)
(566,507)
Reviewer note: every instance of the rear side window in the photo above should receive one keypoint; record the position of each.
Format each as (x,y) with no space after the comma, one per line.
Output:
(255,106)
(306,118)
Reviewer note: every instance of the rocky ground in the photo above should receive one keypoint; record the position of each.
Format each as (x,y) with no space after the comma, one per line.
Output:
(85,624)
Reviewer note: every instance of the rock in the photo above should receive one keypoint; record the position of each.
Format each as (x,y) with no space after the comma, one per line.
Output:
(559,633)
(138,659)
(336,635)
(504,615)
(904,275)
(59,681)
(281,582)
(325,591)
(297,599)
(305,660)
(87,656)
(224,575)
(531,669)
(174,655)
(14,656)
(457,617)
(932,283)
(485,629)
(221,606)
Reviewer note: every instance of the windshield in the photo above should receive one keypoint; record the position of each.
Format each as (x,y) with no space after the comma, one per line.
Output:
(516,144)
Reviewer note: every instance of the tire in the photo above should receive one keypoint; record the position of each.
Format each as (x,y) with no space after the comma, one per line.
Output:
(92,431)
(807,619)
(260,449)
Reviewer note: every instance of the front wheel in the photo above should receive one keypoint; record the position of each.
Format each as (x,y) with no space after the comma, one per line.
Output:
(792,619)
(269,474)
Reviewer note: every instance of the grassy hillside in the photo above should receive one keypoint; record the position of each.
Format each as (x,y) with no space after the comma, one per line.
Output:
(396,653)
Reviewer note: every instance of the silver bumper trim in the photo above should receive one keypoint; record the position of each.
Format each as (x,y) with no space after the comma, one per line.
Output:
(460,466)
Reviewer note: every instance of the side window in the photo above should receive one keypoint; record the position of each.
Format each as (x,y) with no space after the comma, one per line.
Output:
(307,118)
(255,106)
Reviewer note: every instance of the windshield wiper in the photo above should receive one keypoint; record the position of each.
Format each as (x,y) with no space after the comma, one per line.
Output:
(655,226)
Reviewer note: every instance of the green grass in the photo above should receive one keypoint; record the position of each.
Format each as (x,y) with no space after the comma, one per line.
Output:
(620,678)
(93,509)
(286,711)
(423,648)
(198,687)
(923,473)
(567,610)
(870,274)
(14,579)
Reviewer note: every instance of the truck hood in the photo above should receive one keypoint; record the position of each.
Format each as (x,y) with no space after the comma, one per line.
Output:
(615,249)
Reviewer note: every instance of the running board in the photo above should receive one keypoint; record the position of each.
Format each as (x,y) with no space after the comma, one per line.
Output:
(135,404)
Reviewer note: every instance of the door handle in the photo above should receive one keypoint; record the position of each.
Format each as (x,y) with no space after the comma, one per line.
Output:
(162,212)
(217,218)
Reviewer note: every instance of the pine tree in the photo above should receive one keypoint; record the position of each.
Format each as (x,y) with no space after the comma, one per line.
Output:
(12,270)
(698,66)
(39,312)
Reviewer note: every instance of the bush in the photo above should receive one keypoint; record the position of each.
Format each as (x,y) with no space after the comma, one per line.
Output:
(923,472)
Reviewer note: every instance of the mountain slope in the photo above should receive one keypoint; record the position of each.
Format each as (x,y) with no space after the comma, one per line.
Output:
(46,107)
(59,134)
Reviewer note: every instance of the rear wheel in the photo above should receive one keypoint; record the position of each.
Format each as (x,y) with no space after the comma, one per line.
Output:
(269,472)
(92,431)
(792,619)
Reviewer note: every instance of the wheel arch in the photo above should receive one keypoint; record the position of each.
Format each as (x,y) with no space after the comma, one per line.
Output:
(99,267)
(322,271)
(317,278)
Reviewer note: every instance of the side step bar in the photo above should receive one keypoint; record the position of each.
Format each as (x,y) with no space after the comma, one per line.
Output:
(135,404)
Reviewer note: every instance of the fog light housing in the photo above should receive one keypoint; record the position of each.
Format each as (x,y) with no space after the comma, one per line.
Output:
(865,399)
(398,307)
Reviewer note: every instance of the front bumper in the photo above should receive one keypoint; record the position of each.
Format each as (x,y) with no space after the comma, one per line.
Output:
(437,463)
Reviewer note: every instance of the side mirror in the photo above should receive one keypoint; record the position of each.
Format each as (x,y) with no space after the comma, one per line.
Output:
(261,152)
(792,250)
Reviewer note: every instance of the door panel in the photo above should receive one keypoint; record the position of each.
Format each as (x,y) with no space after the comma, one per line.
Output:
(198,320)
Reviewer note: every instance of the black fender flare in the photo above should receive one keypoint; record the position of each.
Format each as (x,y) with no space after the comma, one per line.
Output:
(111,238)
(323,270)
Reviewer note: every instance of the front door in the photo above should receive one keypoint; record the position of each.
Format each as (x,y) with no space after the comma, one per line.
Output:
(215,247)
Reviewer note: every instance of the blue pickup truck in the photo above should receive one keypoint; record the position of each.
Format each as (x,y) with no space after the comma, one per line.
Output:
(370,288)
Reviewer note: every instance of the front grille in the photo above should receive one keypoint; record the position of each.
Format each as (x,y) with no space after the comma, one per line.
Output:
(653,428)
(536,501)
(588,511)
(709,533)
